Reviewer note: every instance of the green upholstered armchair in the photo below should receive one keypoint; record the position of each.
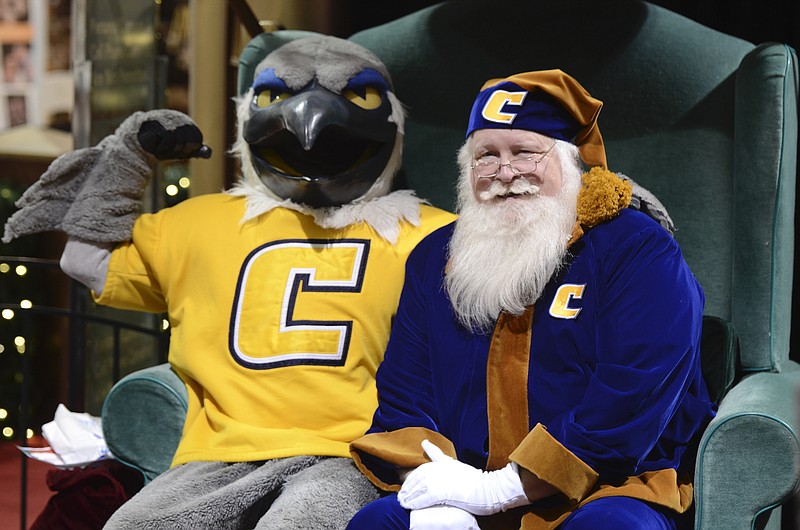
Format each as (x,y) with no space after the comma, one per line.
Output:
(706,121)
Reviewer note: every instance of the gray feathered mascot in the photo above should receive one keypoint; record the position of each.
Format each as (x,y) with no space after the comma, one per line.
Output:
(280,292)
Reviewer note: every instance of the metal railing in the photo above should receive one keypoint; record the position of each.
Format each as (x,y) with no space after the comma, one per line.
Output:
(82,323)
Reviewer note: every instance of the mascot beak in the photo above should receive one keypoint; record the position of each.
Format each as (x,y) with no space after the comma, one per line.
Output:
(320,148)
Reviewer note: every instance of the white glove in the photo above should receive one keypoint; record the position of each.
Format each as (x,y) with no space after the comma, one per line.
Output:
(447,481)
(442,518)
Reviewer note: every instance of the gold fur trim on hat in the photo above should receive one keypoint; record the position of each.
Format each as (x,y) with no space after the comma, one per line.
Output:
(602,196)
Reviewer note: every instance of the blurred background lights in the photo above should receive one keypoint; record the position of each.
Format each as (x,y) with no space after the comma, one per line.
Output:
(8,432)
(171,190)
(4,268)
(184,182)
(3,414)
(21,270)
(26,304)
(8,314)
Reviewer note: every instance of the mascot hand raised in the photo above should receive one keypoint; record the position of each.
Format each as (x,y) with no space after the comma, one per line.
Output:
(94,194)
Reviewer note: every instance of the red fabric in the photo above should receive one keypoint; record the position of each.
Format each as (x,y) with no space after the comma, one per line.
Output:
(86,498)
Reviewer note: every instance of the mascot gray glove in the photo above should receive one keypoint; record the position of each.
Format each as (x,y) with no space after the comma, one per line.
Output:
(94,194)
(447,481)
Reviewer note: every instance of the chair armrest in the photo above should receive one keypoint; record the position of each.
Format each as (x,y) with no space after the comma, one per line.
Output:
(748,459)
(143,417)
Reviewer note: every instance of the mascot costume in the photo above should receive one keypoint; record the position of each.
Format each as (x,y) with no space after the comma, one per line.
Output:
(280,292)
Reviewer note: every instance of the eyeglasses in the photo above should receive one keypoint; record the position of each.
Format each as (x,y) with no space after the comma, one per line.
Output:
(520,166)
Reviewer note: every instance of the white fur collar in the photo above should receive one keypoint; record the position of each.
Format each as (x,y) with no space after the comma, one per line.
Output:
(383,214)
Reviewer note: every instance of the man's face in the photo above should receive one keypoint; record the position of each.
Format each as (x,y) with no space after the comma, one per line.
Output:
(535,211)
(528,165)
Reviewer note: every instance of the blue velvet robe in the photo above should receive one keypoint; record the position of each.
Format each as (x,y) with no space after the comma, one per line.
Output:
(614,369)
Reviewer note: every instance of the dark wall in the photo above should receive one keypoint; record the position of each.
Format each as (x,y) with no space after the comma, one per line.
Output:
(756,21)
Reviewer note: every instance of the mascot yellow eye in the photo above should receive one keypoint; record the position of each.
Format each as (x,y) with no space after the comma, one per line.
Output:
(268,97)
(369,101)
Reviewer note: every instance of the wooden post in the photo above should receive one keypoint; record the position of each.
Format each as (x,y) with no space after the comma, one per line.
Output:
(207,92)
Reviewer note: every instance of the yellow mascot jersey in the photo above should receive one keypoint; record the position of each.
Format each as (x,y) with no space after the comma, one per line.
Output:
(278,325)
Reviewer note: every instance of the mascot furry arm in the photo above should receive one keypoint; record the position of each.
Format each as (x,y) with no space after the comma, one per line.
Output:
(94,194)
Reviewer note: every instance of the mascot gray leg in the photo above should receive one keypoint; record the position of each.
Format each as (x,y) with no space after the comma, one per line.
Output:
(324,496)
(216,495)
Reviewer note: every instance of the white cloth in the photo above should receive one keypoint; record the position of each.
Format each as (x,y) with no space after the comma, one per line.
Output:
(75,440)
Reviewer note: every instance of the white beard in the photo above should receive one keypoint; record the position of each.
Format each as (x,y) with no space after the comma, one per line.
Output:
(503,254)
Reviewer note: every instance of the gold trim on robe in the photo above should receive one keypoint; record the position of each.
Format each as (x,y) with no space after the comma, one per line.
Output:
(507,386)
(402,448)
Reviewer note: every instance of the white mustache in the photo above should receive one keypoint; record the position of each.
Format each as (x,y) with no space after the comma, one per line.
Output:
(518,186)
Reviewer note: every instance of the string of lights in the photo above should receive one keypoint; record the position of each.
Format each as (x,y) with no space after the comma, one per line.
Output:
(12,341)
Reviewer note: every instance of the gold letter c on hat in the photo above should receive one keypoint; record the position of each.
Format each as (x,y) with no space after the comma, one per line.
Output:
(493,109)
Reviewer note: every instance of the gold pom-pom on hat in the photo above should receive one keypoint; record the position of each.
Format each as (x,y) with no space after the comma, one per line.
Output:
(602,196)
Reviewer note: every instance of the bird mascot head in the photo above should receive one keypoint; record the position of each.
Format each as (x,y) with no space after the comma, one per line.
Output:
(320,125)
